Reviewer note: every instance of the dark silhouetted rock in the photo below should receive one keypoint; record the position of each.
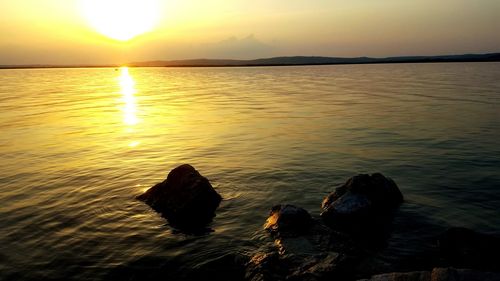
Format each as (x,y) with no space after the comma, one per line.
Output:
(266,267)
(185,198)
(463,247)
(437,274)
(360,200)
(326,266)
(304,249)
(288,220)
(323,266)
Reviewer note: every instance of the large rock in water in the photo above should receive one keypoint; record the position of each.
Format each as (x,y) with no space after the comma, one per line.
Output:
(361,199)
(185,198)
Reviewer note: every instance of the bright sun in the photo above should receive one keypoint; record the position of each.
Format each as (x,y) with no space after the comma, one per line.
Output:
(121,19)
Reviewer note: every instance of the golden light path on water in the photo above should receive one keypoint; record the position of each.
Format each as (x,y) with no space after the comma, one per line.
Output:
(127,89)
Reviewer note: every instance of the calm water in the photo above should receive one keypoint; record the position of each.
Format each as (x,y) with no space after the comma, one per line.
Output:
(77,145)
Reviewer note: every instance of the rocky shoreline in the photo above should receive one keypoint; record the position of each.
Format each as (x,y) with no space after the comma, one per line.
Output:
(355,223)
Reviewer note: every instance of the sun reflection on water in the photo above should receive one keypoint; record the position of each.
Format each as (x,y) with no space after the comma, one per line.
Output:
(127,89)
(134,143)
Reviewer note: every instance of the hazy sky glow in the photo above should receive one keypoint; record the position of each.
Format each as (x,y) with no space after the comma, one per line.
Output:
(57,32)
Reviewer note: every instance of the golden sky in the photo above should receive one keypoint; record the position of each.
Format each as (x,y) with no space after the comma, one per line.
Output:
(71,31)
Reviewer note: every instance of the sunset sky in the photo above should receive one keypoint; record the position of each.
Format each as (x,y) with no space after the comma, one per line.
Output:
(74,31)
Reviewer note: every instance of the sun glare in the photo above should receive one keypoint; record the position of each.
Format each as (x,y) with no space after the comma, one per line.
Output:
(128,91)
(121,19)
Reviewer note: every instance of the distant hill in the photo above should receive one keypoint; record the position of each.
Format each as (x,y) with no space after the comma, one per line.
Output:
(296,60)
(314,60)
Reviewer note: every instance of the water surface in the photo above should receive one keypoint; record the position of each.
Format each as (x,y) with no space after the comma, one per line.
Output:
(77,145)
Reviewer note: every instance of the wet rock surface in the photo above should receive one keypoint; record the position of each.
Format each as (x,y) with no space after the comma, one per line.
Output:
(185,198)
(304,249)
(362,202)
(288,220)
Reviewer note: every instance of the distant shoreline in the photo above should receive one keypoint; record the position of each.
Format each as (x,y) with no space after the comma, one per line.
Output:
(282,61)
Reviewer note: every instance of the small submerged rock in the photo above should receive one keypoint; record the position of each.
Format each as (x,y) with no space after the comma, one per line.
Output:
(266,267)
(288,220)
(361,199)
(185,197)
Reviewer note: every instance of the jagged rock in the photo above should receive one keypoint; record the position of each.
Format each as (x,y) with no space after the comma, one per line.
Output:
(463,247)
(360,200)
(288,220)
(327,266)
(266,267)
(185,198)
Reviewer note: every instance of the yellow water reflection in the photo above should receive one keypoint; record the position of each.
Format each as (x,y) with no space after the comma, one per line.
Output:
(127,89)
(134,143)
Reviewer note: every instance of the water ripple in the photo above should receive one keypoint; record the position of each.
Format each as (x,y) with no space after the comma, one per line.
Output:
(77,146)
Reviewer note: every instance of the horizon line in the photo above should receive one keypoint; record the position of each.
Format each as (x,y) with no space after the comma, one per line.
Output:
(275,61)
